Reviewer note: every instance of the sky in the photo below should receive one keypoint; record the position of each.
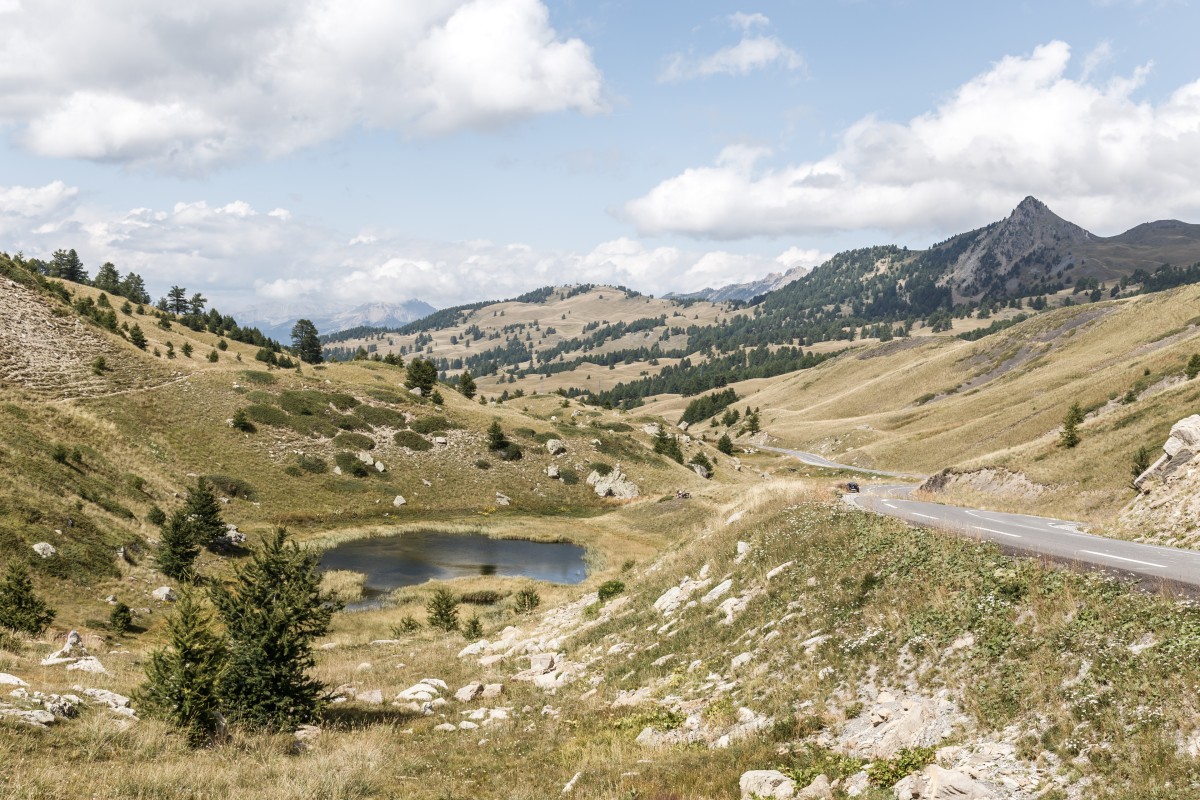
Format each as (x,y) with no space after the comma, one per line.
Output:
(323,154)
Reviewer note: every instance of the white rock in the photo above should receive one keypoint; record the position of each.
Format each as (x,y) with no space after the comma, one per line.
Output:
(11,680)
(45,549)
(936,783)
(556,446)
(766,783)
(163,594)
(715,593)
(570,785)
(446,726)
(552,471)
(474,648)
(399,501)
(379,467)
(441,441)
(469,692)
(779,569)
(88,664)
(743,548)
(741,660)
(467,725)
(437,683)
(371,698)
(492,690)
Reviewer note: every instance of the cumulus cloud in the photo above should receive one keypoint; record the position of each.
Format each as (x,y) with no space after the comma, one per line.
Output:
(241,257)
(752,53)
(1094,152)
(185,87)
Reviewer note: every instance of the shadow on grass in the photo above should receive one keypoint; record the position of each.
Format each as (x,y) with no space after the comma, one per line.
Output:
(350,716)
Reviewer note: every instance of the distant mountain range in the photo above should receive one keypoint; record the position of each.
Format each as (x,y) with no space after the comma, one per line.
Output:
(277,321)
(745,291)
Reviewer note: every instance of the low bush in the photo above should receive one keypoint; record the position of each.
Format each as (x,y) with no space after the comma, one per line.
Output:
(568,476)
(232,487)
(313,464)
(482,597)
(483,463)
(350,465)
(255,376)
(511,452)
(609,589)
(267,415)
(381,417)
(430,424)
(412,440)
(600,468)
(526,601)
(353,441)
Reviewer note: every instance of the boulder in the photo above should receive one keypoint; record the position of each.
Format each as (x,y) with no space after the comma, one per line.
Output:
(416,390)
(503,499)
(366,458)
(371,698)
(614,484)
(556,446)
(88,664)
(440,440)
(469,692)
(552,472)
(11,680)
(163,594)
(819,789)
(492,690)
(700,470)
(1180,447)
(683,426)
(766,783)
(653,429)
(936,783)
(399,501)
(71,652)
(380,467)
(45,549)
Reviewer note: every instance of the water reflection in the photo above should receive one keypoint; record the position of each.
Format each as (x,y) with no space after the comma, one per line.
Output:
(390,562)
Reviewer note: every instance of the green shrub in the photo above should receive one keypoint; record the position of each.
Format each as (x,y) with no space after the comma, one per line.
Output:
(412,440)
(381,416)
(351,422)
(483,463)
(313,464)
(314,427)
(886,773)
(156,516)
(609,589)
(482,597)
(59,453)
(255,376)
(232,487)
(473,630)
(353,441)
(241,422)
(303,403)
(267,415)
(442,609)
(600,468)
(350,465)
(428,425)
(568,476)
(527,600)
(408,624)
(511,452)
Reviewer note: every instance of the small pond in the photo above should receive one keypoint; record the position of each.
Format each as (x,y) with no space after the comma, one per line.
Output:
(390,562)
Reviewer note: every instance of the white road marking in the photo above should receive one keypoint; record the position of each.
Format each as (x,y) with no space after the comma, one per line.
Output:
(889,505)
(924,516)
(1002,533)
(1122,558)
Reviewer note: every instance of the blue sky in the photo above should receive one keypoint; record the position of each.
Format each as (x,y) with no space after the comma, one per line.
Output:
(329,154)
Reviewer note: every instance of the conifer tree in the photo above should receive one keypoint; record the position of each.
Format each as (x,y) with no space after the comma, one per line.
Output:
(725,444)
(466,384)
(1069,437)
(137,337)
(182,678)
(177,549)
(20,608)
(496,437)
(306,343)
(420,374)
(443,610)
(204,514)
(667,445)
(272,612)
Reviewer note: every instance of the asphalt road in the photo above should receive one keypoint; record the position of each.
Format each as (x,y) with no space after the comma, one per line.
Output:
(814,460)
(1022,534)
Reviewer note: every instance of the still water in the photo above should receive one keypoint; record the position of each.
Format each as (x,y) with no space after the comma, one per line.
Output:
(390,562)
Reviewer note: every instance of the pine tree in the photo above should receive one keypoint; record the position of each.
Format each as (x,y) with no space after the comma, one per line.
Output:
(108,279)
(182,677)
(20,608)
(496,438)
(272,612)
(1070,432)
(177,301)
(466,384)
(120,619)
(204,514)
(65,264)
(306,343)
(667,445)
(137,337)
(177,549)
(1193,366)
(443,610)
(420,374)
(725,444)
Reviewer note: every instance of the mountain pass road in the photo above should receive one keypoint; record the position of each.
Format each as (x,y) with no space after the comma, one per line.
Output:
(1023,534)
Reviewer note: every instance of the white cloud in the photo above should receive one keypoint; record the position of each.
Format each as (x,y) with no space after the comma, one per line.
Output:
(750,54)
(1094,153)
(240,257)
(185,87)
(745,22)
(1099,55)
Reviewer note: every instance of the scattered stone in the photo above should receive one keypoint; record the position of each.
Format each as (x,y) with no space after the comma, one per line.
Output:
(492,690)
(741,660)
(743,548)
(11,680)
(441,441)
(700,470)
(416,390)
(379,467)
(88,664)
(766,783)
(715,593)
(474,648)
(366,458)
(469,692)
(449,727)
(306,736)
(164,594)
(819,789)
(556,446)
(467,725)
(779,569)
(399,501)
(614,484)
(552,471)
(371,698)
(570,785)
(503,499)
(936,783)
(45,549)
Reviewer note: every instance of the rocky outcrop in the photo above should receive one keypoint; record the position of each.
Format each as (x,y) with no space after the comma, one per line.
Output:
(990,480)
(1180,448)
(614,485)
(556,446)
(1166,509)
